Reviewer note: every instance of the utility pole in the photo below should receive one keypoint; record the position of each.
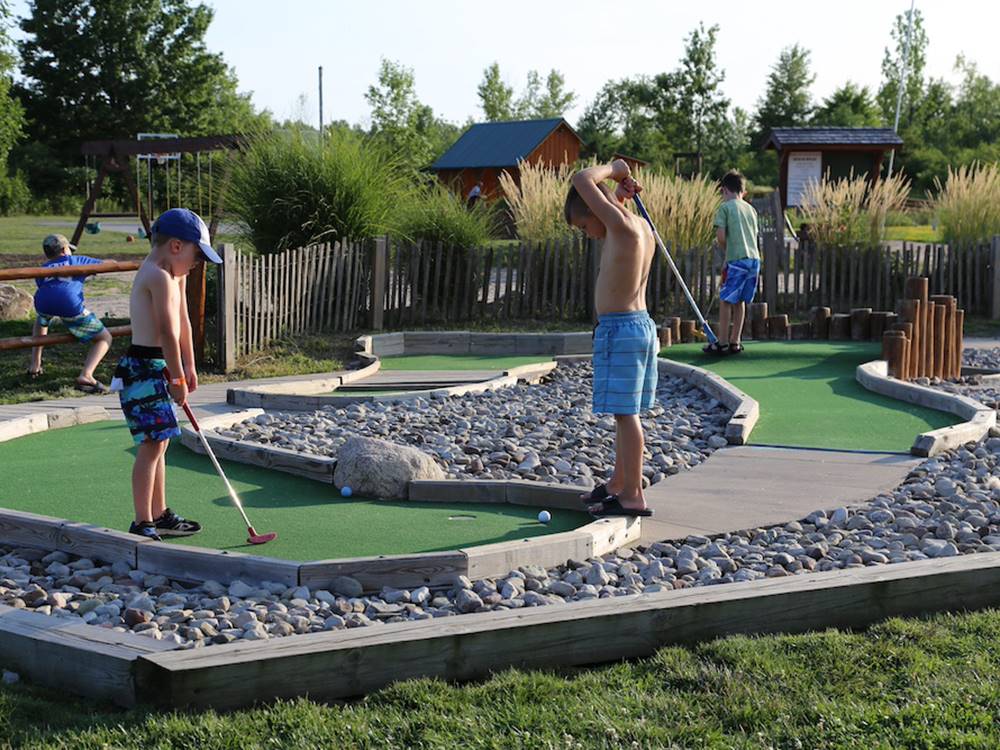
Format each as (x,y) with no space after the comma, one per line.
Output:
(321,102)
(902,81)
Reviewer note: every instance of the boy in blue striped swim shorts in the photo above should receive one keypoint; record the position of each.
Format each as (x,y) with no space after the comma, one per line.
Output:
(625,341)
(735,230)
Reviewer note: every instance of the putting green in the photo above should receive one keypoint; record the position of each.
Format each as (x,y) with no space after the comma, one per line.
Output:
(458,362)
(83,474)
(809,398)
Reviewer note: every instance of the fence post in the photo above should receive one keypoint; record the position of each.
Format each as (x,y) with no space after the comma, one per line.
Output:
(773,248)
(379,258)
(995,278)
(226,299)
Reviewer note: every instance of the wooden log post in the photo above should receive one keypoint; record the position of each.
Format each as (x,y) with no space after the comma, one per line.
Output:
(665,336)
(930,334)
(945,328)
(777,327)
(861,323)
(688,328)
(918,288)
(909,313)
(226,300)
(877,325)
(894,352)
(819,322)
(907,329)
(940,316)
(674,323)
(800,331)
(840,327)
(758,320)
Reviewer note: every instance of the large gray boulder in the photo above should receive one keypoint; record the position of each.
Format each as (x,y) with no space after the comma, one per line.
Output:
(14,304)
(379,469)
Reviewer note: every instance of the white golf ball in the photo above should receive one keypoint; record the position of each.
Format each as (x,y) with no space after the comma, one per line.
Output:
(346,491)
(544,517)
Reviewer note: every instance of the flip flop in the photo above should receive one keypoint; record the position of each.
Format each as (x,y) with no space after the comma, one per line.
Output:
(36,374)
(597,495)
(611,507)
(734,349)
(715,348)
(97,388)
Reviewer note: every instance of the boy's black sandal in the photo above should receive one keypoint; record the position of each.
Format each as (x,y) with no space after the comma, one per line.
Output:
(612,507)
(597,495)
(715,348)
(735,349)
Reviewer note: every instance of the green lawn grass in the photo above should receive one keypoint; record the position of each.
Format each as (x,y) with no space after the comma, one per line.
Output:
(809,397)
(83,473)
(910,683)
(920,233)
(23,235)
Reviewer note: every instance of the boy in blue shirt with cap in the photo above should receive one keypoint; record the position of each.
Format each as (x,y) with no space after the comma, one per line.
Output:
(159,365)
(61,298)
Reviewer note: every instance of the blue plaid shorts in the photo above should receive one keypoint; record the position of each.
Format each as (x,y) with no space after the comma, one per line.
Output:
(84,326)
(625,349)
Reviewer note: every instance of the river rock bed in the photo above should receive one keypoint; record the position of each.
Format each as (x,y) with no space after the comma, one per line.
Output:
(948,505)
(988,358)
(545,432)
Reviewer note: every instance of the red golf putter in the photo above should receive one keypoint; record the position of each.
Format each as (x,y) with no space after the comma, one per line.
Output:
(254,537)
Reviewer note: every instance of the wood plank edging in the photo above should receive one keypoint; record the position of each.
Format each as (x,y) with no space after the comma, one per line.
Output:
(978,417)
(746,410)
(343,664)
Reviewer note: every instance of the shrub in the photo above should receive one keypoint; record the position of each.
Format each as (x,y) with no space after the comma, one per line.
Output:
(682,209)
(15,196)
(435,214)
(968,204)
(852,210)
(537,205)
(289,191)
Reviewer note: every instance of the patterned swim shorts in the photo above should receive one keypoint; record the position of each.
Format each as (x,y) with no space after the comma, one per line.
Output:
(84,326)
(145,400)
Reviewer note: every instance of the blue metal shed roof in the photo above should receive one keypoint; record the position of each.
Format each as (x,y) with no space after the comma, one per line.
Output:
(497,144)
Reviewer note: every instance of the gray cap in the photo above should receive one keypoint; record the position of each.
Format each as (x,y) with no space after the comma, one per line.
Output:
(54,244)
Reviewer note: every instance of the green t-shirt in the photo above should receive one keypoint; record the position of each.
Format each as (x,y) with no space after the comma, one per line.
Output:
(739,220)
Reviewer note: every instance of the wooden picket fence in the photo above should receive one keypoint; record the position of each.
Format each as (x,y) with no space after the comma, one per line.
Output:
(385,283)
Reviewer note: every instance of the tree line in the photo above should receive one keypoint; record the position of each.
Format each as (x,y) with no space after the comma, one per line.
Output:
(89,69)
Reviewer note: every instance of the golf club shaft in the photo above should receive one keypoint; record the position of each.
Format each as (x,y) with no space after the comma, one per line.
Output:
(215,462)
(712,338)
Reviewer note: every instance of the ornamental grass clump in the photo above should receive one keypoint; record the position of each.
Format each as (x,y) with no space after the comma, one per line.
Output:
(432,213)
(536,206)
(683,210)
(852,210)
(968,204)
(291,191)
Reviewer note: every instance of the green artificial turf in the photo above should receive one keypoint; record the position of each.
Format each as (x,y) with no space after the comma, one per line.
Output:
(83,474)
(458,362)
(809,398)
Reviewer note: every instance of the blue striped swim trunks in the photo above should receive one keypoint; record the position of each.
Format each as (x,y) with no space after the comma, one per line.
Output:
(625,349)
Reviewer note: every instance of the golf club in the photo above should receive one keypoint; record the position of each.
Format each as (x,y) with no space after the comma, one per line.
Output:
(712,338)
(253,537)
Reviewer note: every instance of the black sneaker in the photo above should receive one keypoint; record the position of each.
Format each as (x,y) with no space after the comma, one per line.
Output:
(145,529)
(171,524)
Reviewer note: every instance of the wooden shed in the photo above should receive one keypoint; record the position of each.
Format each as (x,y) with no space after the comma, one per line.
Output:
(806,154)
(487,149)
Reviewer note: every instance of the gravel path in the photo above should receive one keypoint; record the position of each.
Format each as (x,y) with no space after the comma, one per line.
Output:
(982,357)
(536,432)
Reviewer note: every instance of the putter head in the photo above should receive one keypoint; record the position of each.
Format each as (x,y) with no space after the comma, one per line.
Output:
(255,538)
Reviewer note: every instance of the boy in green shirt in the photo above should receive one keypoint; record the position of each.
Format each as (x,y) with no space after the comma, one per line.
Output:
(735,230)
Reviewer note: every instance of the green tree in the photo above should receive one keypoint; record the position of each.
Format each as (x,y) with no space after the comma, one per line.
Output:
(11,111)
(892,70)
(118,67)
(400,121)
(850,106)
(623,118)
(495,97)
(694,89)
(787,101)
(542,102)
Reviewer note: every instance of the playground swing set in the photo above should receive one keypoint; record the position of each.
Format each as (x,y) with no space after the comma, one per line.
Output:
(115,157)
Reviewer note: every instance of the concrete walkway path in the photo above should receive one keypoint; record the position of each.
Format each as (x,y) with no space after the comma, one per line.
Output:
(746,487)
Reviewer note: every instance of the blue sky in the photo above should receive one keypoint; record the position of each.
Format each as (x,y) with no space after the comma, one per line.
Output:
(275,48)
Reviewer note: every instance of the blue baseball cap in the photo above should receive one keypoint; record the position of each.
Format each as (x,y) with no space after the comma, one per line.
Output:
(185,224)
